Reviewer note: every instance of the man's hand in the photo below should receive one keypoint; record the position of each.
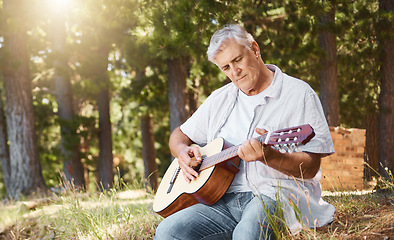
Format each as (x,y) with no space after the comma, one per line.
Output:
(298,164)
(252,150)
(188,158)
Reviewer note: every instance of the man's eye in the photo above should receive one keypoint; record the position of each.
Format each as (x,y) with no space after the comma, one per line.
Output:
(238,59)
(225,68)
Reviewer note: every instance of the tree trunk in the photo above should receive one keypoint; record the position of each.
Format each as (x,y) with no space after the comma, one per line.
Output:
(386,97)
(25,169)
(194,97)
(371,144)
(72,165)
(149,151)
(329,94)
(177,92)
(4,150)
(105,161)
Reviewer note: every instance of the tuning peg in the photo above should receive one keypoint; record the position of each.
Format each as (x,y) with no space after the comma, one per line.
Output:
(289,148)
(279,148)
(297,149)
(282,150)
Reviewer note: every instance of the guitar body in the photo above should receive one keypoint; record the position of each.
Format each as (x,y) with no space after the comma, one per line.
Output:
(207,188)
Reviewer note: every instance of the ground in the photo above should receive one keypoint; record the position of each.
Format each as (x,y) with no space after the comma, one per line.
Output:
(128,215)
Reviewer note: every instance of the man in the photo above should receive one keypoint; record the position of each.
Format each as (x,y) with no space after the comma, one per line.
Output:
(259,98)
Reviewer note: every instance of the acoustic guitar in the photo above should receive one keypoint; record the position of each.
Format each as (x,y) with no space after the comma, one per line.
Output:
(217,169)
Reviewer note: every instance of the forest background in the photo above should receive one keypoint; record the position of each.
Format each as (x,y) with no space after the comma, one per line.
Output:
(90,90)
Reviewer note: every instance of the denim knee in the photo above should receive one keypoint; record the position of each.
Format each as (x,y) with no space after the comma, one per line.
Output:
(165,230)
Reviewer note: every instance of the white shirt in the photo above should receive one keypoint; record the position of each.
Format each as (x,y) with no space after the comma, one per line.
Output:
(236,131)
(287,102)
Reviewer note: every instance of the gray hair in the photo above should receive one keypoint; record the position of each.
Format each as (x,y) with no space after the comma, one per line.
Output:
(233,31)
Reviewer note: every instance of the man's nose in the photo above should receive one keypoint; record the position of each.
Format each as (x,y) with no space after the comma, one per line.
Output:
(236,70)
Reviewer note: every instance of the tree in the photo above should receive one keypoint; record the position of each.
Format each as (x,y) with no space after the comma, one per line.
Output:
(105,161)
(174,38)
(101,28)
(329,94)
(4,149)
(177,91)
(148,91)
(25,174)
(386,97)
(94,66)
(69,146)
(149,152)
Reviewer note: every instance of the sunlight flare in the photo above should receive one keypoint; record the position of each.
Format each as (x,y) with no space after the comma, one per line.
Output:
(56,6)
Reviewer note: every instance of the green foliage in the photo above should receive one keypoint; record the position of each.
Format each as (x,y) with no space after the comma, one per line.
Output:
(358,58)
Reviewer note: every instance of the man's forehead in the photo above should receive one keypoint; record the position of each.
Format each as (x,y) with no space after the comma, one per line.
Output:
(226,43)
(230,46)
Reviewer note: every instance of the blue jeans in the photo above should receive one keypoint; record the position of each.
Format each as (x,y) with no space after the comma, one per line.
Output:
(234,216)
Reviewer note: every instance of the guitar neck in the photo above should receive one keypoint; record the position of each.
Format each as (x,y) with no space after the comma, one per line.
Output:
(224,155)
(286,140)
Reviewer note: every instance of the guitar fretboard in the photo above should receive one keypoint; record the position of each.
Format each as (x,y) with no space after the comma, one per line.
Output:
(224,155)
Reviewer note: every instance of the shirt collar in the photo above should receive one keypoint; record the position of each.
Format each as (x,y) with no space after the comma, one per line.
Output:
(274,89)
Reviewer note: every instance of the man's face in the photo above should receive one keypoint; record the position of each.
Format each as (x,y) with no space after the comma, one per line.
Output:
(241,65)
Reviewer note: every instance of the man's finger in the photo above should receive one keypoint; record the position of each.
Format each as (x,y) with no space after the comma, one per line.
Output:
(188,172)
(256,145)
(261,131)
(195,152)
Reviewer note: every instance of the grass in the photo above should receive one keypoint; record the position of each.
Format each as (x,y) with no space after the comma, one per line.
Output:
(127,214)
(115,215)
(359,215)
(369,216)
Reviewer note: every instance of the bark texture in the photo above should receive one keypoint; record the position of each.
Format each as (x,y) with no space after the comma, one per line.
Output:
(149,151)
(69,146)
(329,93)
(25,170)
(177,92)
(386,97)
(105,160)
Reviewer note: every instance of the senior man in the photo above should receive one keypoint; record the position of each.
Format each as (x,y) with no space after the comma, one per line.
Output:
(260,97)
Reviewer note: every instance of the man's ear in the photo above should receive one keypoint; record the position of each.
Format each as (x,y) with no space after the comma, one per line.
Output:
(255,48)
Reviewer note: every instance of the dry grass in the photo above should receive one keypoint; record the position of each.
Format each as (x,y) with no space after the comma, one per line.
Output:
(368,216)
(116,215)
(128,215)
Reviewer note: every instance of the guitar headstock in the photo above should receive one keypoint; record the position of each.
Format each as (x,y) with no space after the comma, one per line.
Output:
(288,139)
